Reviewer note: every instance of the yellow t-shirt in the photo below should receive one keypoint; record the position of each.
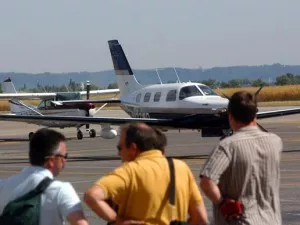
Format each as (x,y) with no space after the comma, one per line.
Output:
(140,188)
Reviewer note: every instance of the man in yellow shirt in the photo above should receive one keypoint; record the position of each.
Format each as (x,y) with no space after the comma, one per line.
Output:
(140,185)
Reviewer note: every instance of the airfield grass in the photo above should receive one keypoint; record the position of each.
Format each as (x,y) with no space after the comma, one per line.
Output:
(288,95)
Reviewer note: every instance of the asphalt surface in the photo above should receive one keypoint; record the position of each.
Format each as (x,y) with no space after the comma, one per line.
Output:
(91,158)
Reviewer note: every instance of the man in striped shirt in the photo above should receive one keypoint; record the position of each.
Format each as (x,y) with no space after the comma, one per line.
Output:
(244,169)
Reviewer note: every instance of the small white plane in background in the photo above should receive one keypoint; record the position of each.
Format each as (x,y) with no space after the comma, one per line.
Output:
(168,106)
(49,105)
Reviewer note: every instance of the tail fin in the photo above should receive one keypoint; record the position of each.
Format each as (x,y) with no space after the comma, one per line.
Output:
(15,105)
(8,86)
(126,80)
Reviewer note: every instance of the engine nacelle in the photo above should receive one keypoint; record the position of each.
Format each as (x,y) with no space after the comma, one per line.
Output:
(108,133)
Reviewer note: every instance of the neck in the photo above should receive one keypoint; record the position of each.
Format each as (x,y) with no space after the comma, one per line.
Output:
(241,125)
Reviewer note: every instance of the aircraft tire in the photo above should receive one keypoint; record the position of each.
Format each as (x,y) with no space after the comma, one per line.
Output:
(79,135)
(92,133)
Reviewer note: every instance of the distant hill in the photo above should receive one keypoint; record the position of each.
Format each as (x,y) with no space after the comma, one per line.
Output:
(104,78)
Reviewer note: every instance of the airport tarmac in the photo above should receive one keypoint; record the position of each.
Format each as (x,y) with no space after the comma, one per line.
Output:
(90,158)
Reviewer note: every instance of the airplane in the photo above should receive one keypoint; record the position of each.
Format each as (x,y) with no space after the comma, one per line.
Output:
(168,106)
(48,106)
(47,95)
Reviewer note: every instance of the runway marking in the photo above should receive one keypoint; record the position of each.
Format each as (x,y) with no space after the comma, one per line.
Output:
(294,214)
(287,170)
(9,142)
(83,181)
(295,184)
(292,140)
(288,200)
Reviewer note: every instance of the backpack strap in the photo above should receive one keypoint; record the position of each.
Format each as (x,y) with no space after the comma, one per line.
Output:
(43,185)
(172,182)
(38,189)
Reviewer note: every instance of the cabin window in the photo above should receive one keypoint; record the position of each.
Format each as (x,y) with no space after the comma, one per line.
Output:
(206,90)
(42,105)
(138,97)
(157,97)
(189,91)
(147,97)
(171,96)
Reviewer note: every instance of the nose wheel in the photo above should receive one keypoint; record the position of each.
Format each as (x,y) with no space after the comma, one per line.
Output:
(79,135)
(92,133)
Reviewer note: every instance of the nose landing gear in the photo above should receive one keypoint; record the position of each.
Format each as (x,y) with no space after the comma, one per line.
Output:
(92,133)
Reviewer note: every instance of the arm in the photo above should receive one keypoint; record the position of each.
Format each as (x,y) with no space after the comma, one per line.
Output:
(211,190)
(197,210)
(198,214)
(69,205)
(94,197)
(77,218)
(212,170)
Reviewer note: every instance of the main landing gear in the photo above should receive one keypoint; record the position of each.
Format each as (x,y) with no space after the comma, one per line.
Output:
(92,133)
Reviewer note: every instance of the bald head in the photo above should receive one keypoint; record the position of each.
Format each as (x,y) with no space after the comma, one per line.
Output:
(145,137)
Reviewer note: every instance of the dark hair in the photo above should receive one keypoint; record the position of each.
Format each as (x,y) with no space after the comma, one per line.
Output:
(242,106)
(145,137)
(161,139)
(44,143)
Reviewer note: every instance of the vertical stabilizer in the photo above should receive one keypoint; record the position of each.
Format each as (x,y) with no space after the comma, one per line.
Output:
(8,87)
(16,107)
(126,80)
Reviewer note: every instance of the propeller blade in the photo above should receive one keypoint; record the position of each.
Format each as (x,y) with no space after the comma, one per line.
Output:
(261,127)
(257,92)
(225,96)
(87,126)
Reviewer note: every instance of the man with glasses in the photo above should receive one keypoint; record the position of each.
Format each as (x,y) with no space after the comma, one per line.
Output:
(140,185)
(59,201)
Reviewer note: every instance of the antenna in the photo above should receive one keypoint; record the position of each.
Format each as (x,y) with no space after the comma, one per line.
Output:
(158,76)
(177,75)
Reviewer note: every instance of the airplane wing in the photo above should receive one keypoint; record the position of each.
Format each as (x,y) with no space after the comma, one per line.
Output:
(24,96)
(196,121)
(67,102)
(45,95)
(276,113)
(95,92)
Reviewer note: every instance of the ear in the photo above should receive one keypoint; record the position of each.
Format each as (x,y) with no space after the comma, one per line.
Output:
(134,147)
(49,163)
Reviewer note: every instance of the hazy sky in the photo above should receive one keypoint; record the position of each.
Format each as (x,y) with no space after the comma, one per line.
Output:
(71,35)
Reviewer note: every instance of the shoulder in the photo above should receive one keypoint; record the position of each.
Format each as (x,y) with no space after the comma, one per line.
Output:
(180,164)
(61,189)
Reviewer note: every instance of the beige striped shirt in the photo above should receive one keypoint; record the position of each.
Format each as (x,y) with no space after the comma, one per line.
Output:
(246,167)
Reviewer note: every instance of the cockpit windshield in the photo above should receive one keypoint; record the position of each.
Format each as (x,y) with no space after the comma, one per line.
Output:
(189,91)
(206,90)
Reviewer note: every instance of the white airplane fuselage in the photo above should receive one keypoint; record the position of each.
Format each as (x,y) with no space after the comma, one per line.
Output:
(172,101)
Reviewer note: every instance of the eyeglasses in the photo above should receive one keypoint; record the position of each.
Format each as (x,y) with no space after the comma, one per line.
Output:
(60,155)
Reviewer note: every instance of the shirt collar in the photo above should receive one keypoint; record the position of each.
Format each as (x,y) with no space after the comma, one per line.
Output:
(248,128)
(150,154)
(38,169)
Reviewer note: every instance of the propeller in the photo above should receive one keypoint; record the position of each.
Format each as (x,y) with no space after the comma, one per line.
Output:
(87,126)
(255,95)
